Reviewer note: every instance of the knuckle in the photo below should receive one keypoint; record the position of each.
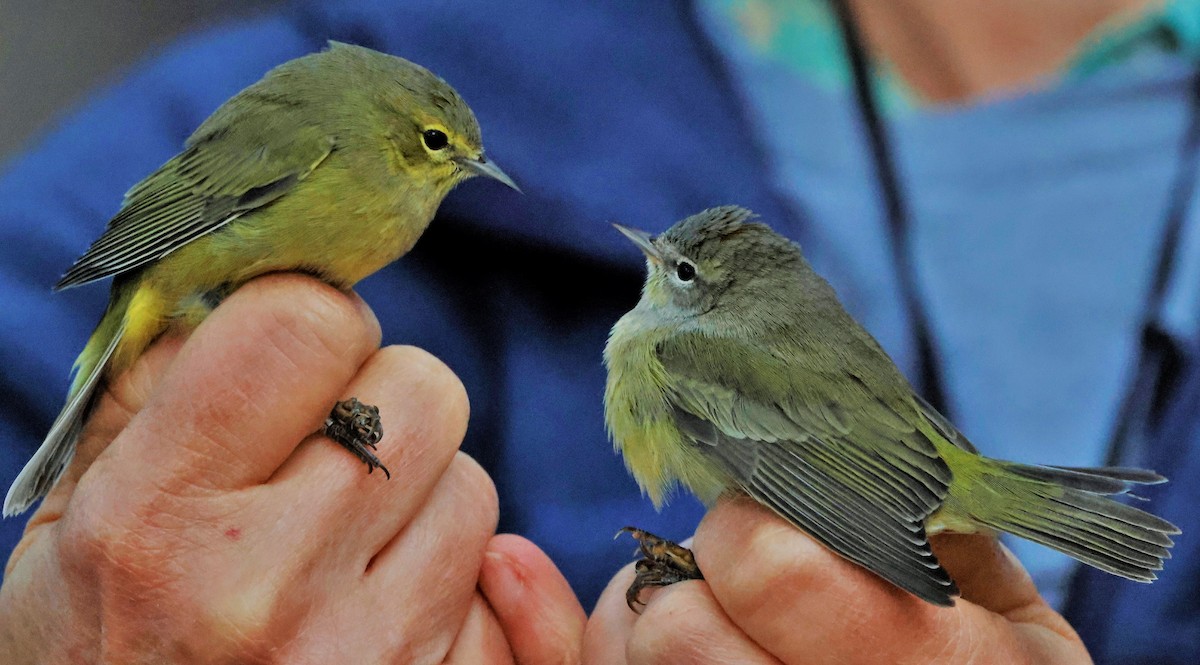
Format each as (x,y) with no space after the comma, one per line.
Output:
(476,489)
(431,370)
(246,624)
(673,628)
(305,317)
(138,563)
(114,548)
(775,557)
(87,527)
(433,379)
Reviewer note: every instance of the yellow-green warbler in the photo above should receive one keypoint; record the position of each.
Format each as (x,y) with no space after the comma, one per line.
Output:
(739,370)
(332,164)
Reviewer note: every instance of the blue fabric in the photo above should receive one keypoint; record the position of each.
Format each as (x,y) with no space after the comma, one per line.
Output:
(625,111)
(1136,624)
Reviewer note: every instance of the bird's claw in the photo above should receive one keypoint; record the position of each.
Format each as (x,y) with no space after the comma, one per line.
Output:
(357,427)
(663,563)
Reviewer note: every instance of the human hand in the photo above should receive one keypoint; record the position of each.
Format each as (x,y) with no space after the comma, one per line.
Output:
(203,520)
(772,594)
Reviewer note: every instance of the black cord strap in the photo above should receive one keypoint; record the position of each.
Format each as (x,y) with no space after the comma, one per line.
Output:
(895,206)
(1157,360)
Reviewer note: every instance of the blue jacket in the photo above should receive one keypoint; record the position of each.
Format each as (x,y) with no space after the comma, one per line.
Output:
(606,111)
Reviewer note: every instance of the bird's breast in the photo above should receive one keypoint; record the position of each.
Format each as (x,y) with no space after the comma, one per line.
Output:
(347,225)
(637,408)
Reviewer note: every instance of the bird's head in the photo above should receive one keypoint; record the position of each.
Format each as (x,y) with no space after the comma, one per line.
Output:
(430,132)
(716,256)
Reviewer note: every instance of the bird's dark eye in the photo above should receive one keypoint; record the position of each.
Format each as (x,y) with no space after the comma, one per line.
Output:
(435,139)
(685,271)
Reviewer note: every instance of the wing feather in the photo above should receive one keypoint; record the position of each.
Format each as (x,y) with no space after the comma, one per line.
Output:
(862,483)
(238,161)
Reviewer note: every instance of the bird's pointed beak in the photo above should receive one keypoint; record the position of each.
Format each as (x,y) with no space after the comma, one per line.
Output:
(643,242)
(481,166)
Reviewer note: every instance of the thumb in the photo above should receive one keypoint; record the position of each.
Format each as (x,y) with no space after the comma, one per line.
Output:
(540,616)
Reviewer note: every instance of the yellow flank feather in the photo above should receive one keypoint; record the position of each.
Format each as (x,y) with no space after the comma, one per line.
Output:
(88,361)
(145,319)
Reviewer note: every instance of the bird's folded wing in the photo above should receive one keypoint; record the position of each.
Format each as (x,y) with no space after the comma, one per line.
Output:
(239,160)
(944,426)
(861,481)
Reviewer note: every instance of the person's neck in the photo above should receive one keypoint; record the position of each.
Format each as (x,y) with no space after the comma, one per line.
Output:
(957,50)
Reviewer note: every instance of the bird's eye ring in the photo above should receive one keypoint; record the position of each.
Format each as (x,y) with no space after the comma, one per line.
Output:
(435,139)
(685,271)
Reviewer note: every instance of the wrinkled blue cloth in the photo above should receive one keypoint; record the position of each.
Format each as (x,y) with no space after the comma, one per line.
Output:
(629,112)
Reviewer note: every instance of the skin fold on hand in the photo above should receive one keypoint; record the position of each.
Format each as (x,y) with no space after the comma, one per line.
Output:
(772,594)
(203,520)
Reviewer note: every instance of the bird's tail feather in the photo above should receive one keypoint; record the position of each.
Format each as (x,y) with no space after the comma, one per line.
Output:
(52,457)
(1069,510)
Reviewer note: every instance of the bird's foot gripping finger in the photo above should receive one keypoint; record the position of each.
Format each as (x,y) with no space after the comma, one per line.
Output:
(357,427)
(663,563)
